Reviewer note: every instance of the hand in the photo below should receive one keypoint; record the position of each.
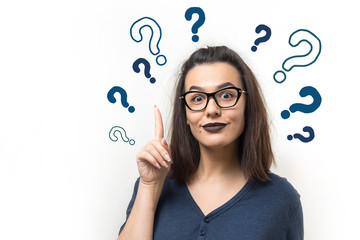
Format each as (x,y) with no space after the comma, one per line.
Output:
(153,159)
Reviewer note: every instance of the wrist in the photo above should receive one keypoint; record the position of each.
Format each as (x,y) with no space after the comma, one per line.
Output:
(151,186)
(151,192)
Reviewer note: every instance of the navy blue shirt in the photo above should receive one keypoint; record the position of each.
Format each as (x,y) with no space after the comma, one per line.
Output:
(259,211)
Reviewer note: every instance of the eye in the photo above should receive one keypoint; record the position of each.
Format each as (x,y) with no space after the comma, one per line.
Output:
(226,95)
(197,98)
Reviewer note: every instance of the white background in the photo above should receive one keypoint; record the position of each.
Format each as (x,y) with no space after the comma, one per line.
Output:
(61,177)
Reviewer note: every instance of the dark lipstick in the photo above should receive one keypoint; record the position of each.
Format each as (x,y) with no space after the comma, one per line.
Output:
(214,127)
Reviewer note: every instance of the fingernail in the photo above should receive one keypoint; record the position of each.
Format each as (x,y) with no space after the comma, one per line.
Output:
(158,165)
(167,158)
(165,164)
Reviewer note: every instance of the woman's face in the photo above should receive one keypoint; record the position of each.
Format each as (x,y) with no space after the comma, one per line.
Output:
(229,122)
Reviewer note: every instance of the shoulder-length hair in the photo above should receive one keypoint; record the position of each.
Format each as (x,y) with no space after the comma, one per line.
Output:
(255,153)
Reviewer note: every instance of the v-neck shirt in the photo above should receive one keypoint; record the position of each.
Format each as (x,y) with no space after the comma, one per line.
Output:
(259,211)
(221,208)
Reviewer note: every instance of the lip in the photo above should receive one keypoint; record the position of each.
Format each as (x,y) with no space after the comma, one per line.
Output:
(214,127)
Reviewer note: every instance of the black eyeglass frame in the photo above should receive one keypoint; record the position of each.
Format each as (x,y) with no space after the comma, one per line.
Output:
(208,95)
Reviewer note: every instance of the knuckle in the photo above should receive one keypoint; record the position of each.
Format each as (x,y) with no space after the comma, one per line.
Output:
(149,147)
(164,152)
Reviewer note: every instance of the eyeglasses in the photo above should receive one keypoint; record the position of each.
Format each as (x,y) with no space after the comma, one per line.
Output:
(224,98)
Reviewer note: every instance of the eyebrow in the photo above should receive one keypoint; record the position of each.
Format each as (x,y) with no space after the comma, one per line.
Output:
(226,84)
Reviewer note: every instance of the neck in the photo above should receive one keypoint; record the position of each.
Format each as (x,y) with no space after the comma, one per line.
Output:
(218,163)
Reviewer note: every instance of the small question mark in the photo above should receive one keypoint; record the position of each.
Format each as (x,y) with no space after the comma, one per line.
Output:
(122,134)
(198,23)
(301,137)
(136,35)
(299,107)
(146,68)
(304,60)
(123,94)
(267,36)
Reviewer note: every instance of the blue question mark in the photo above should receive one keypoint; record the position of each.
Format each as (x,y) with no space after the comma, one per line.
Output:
(299,107)
(146,68)
(123,95)
(188,16)
(267,36)
(301,137)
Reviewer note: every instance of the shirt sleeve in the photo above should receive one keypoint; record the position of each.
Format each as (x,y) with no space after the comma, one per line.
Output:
(296,224)
(131,204)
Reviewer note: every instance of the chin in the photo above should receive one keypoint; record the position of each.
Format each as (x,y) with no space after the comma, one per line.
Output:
(216,143)
(218,140)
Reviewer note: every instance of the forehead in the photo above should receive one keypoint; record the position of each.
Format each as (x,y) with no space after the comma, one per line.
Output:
(209,76)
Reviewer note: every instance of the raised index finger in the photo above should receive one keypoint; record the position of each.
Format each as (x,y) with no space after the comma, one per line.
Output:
(159,127)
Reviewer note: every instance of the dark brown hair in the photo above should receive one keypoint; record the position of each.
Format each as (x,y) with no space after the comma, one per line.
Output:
(255,153)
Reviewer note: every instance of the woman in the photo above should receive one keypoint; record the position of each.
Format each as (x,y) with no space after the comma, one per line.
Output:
(214,180)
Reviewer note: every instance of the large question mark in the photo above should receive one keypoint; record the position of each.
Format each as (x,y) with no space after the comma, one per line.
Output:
(301,137)
(115,129)
(299,107)
(300,60)
(188,16)
(267,36)
(146,68)
(123,95)
(136,35)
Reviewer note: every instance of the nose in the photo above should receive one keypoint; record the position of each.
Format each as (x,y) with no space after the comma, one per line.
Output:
(212,109)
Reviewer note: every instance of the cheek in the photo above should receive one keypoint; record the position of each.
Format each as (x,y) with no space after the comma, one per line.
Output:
(242,123)
(239,120)
(191,117)
(187,117)
(192,120)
